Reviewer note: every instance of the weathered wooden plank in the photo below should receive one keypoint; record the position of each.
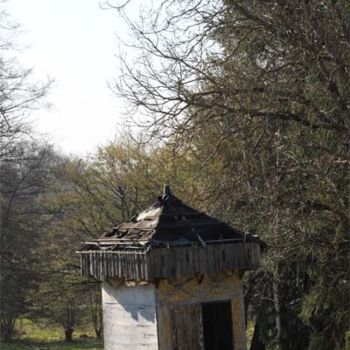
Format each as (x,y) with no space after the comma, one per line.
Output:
(115,265)
(120,263)
(99,265)
(128,267)
(165,338)
(238,318)
(171,262)
(95,257)
(134,265)
(104,265)
(89,263)
(91,266)
(186,327)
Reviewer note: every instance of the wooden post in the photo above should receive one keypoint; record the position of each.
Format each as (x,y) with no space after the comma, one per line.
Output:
(238,317)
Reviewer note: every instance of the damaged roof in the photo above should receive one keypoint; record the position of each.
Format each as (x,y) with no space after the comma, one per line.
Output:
(169,222)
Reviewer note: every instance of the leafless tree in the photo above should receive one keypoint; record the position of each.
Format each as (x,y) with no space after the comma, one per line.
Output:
(18,94)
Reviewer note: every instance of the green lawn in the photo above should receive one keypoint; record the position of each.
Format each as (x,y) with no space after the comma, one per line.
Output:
(91,344)
(41,335)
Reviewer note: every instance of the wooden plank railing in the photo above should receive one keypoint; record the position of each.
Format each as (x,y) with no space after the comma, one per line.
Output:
(170,262)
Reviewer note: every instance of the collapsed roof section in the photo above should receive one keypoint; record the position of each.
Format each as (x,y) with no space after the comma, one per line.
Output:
(168,223)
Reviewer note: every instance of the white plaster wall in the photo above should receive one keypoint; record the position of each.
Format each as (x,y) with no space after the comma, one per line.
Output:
(129,317)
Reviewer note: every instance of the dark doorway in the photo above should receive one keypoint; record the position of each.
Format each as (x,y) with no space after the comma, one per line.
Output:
(217,326)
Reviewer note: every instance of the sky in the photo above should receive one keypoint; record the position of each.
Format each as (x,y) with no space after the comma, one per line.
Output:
(74,43)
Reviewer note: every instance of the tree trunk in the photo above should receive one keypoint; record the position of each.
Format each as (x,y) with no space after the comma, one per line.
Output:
(98,333)
(70,320)
(6,329)
(69,334)
(276,301)
(96,311)
(256,343)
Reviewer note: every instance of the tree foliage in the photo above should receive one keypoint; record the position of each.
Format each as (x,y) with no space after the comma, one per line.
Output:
(257,94)
(22,223)
(24,175)
(247,105)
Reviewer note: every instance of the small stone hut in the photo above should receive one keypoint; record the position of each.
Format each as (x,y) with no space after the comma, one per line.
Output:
(171,279)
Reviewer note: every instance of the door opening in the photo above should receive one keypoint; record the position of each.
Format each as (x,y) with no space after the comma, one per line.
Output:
(217,325)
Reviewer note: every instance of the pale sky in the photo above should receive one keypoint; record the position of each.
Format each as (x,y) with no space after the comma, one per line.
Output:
(74,43)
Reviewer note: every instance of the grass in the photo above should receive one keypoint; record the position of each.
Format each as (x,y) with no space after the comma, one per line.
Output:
(42,335)
(18,344)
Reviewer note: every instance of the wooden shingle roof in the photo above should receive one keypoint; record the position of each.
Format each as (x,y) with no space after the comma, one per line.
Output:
(167,240)
(169,223)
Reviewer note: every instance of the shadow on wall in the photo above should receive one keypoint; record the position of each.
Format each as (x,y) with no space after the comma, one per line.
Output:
(138,301)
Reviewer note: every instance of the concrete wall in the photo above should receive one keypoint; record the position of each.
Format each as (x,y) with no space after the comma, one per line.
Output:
(129,317)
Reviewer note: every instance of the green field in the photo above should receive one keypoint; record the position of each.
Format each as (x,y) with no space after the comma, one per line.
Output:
(51,345)
(41,335)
